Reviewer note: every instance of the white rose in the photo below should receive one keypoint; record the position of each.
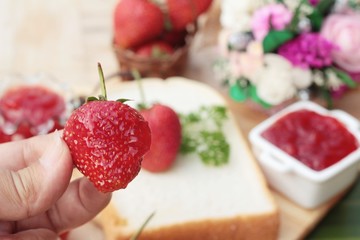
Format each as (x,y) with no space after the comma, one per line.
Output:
(302,78)
(318,78)
(275,88)
(278,62)
(236,14)
(278,81)
(333,81)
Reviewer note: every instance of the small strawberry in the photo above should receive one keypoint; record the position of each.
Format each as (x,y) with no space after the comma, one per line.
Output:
(175,38)
(156,49)
(165,129)
(136,22)
(181,13)
(202,6)
(107,141)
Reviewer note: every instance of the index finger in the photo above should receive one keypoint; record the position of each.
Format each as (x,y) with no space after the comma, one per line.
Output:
(20,154)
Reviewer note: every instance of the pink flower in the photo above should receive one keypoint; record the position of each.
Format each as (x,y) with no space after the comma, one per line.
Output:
(308,50)
(344,31)
(275,16)
(355,76)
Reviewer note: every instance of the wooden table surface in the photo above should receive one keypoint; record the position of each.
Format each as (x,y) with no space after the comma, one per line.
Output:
(67,38)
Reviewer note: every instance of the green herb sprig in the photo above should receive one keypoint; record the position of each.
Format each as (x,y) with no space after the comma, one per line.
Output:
(203,135)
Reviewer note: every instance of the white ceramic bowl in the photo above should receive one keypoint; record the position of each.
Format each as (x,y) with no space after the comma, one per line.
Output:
(301,184)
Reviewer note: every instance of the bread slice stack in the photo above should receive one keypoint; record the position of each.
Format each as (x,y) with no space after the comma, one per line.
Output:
(192,200)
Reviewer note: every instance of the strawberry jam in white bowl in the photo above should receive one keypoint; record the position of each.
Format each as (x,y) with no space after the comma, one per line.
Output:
(31,105)
(308,153)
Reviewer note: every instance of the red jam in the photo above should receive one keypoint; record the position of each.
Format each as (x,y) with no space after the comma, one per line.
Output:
(316,140)
(28,110)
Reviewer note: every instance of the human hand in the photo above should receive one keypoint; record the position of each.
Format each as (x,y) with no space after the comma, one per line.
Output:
(37,200)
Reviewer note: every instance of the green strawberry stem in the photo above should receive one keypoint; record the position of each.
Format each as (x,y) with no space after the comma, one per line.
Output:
(138,232)
(137,77)
(103,95)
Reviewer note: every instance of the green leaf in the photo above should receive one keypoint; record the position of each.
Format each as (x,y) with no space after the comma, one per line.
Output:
(255,97)
(325,6)
(142,106)
(122,100)
(202,134)
(316,20)
(89,99)
(238,93)
(344,77)
(327,97)
(215,150)
(218,113)
(296,17)
(275,39)
(354,4)
(189,143)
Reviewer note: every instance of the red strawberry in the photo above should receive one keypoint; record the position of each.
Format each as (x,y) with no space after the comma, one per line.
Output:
(4,137)
(165,129)
(181,13)
(156,49)
(107,140)
(136,22)
(175,38)
(64,236)
(202,6)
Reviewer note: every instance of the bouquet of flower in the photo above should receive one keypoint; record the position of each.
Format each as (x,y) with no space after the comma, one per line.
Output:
(291,49)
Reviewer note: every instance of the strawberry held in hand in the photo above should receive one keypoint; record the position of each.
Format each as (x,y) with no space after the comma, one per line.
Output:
(107,141)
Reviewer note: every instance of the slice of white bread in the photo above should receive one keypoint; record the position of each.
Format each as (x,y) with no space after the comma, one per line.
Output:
(192,200)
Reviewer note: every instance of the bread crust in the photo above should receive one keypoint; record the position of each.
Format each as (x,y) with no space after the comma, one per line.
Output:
(260,226)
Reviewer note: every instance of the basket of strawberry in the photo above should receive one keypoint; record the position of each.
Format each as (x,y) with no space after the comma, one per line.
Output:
(154,37)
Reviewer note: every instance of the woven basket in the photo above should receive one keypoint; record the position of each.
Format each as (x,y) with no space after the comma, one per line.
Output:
(155,67)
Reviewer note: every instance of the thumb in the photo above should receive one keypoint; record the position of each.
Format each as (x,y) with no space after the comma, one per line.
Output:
(34,189)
